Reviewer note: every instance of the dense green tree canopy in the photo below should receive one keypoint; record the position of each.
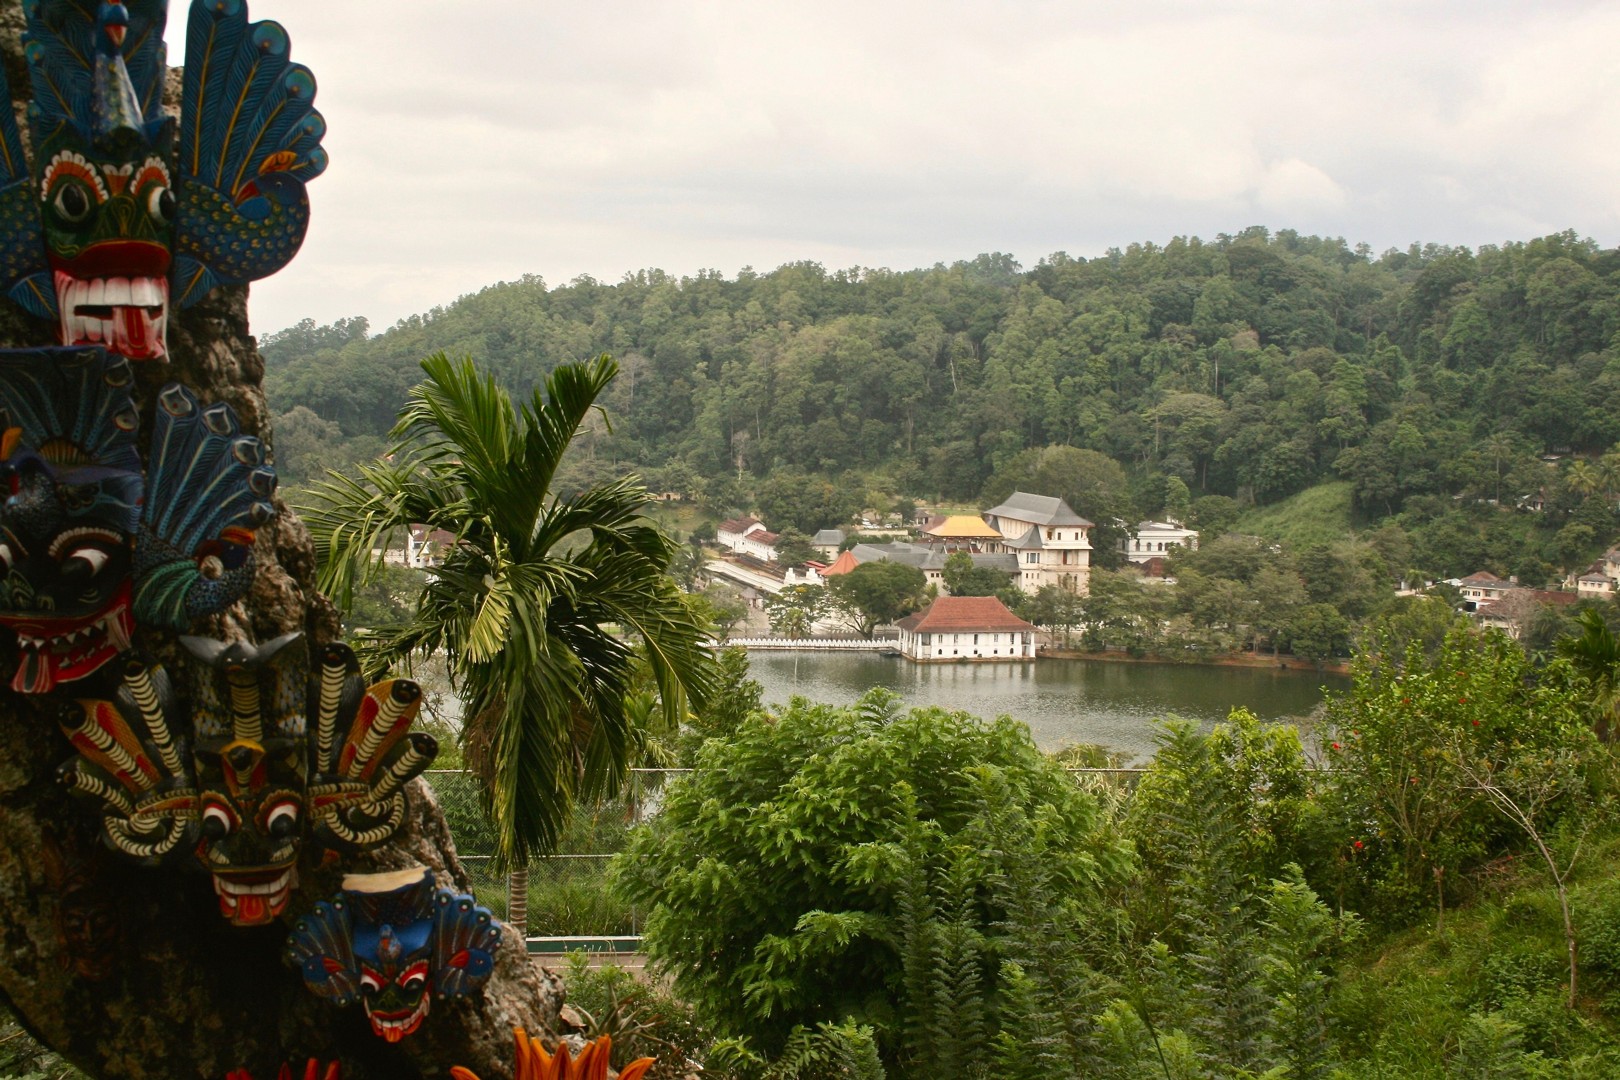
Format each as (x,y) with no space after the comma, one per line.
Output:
(1432,380)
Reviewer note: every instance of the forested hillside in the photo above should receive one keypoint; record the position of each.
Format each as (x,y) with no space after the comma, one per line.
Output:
(1433,380)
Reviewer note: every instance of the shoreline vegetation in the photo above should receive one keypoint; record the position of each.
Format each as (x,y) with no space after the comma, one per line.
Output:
(1290,664)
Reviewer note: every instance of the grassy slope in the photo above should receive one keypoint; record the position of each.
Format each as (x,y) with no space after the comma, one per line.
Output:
(1317,515)
(1405,1004)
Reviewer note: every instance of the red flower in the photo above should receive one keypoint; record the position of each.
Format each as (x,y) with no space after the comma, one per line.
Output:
(1336,746)
(1358,845)
(1476,723)
(1462,701)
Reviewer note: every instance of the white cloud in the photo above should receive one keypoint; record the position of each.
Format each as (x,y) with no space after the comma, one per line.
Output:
(479,141)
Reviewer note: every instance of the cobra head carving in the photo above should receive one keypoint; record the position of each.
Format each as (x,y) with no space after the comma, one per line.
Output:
(364,752)
(133,762)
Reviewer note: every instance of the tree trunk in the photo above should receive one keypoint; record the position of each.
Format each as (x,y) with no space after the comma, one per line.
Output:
(517,900)
(131,972)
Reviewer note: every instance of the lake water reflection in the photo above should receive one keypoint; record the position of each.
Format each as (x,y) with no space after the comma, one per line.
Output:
(1063,701)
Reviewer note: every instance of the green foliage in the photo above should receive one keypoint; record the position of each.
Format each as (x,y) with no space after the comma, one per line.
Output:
(734,699)
(1318,515)
(793,548)
(962,578)
(795,610)
(388,599)
(1412,817)
(861,864)
(791,499)
(642,1016)
(879,592)
(828,1051)
(526,602)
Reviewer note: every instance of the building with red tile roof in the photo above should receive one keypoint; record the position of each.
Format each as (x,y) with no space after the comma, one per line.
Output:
(966,628)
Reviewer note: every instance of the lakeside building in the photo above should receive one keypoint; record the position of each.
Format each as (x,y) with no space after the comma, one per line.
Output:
(966,628)
(828,541)
(1050,541)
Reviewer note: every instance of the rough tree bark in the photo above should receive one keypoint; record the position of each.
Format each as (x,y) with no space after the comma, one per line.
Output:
(131,973)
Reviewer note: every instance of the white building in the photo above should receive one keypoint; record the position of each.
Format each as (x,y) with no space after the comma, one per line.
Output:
(760,544)
(730,534)
(1155,539)
(1051,541)
(966,628)
(1481,588)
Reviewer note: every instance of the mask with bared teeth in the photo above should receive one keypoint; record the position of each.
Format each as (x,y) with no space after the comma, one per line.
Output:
(394,942)
(249,753)
(126,214)
(70,504)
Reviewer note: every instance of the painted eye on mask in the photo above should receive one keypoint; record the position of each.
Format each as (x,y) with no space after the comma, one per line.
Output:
(72,203)
(160,204)
(217,821)
(282,820)
(371,983)
(84,562)
(5,558)
(415,977)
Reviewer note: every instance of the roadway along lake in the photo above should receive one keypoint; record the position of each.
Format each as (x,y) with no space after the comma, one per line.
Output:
(1063,701)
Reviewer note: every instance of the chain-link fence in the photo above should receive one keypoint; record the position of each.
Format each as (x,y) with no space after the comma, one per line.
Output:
(568,890)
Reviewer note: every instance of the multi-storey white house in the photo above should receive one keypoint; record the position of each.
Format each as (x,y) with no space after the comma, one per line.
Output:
(1051,541)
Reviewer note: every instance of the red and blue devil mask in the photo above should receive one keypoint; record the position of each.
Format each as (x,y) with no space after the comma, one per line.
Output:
(394,942)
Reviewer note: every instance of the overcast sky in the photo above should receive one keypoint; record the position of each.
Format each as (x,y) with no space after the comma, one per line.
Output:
(474,141)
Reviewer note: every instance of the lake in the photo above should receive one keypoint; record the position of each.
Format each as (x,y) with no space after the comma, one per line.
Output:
(1063,701)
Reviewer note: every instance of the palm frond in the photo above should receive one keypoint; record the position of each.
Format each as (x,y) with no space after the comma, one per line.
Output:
(540,604)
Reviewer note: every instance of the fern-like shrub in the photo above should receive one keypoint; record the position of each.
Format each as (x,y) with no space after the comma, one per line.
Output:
(924,874)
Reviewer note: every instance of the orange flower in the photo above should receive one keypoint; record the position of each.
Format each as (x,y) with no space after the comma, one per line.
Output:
(533,1063)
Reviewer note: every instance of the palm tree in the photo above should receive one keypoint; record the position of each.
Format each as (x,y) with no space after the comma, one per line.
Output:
(1595,653)
(526,602)
(1500,446)
(1582,478)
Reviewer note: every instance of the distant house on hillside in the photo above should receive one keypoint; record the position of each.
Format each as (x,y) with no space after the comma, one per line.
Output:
(730,534)
(1158,538)
(966,628)
(424,547)
(1483,587)
(1594,586)
(1514,612)
(1051,542)
(828,541)
(760,543)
